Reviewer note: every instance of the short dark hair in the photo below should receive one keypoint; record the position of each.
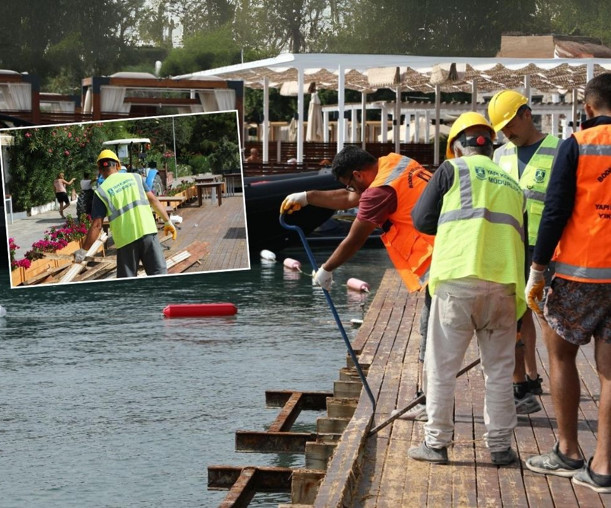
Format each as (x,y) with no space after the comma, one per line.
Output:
(598,92)
(351,158)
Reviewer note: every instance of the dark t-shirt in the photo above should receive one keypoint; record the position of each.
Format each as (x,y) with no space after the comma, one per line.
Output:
(525,153)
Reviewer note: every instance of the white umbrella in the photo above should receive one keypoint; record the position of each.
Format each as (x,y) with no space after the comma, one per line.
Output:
(314,130)
(293,130)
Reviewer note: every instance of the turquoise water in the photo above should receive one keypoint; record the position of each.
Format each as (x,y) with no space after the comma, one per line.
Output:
(104,403)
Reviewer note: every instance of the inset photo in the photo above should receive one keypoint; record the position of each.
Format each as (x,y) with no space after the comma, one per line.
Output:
(124,198)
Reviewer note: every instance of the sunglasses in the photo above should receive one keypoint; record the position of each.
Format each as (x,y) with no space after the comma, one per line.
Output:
(349,187)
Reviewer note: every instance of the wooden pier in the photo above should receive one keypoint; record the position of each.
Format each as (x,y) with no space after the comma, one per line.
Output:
(347,466)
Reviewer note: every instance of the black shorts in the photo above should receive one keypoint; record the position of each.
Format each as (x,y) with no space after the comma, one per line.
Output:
(62,197)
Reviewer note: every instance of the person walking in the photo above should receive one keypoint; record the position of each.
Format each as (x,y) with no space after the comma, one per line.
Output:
(126,200)
(528,157)
(476,281)
(59,184)
(576,225)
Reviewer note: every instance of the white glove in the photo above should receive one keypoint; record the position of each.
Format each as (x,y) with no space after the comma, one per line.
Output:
(79,255)
(294,202)
(323,278)
(534,290)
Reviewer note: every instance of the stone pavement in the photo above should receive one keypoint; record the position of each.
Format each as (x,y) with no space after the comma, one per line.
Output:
(30,229)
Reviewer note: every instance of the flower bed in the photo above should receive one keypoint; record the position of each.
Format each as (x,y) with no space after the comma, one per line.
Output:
(62,240)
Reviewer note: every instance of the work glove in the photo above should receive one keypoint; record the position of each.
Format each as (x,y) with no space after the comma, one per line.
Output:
(323,278)
(534,290)
(294,202)
(79,255)
(169,229)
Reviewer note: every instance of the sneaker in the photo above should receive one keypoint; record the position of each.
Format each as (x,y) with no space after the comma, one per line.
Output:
(534,385)
(504,458)
(526,403)
(554,463)
(428,454)
(600,483)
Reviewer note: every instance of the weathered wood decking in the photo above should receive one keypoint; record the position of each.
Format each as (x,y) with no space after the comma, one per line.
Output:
(376,472)
(222,228)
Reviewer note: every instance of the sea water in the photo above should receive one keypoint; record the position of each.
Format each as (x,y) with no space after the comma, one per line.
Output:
(105,403)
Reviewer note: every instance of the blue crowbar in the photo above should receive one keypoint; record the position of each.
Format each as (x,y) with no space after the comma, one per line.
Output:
(332,307)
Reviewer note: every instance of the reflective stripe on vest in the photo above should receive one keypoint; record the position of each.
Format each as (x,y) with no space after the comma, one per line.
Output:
(409,250)
(480,228)
(534,179)
(583,253)
(466,200)
(129,211)
(116,212)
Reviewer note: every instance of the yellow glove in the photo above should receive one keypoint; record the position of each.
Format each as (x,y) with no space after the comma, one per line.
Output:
(534,290)
(294,202)
(169,229)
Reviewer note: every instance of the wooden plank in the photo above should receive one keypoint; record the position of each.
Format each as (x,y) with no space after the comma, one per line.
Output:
(464,483)
(488,488)
(398,329)
(76,268)
(98,271)
(536,435)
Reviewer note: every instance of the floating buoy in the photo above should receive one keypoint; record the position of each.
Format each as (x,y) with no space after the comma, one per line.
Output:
(267,255)
(292,264)
(199,310)
(358,285)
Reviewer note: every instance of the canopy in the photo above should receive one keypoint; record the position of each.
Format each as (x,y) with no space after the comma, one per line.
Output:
(367,73)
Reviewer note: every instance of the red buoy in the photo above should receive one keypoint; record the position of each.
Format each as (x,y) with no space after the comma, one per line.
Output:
(199,310)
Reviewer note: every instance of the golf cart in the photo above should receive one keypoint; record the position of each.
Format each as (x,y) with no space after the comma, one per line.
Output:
(132,153)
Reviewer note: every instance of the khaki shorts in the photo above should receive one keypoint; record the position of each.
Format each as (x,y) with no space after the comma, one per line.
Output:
(578,311)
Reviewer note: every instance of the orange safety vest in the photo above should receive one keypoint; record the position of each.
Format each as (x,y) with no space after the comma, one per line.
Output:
(583,253)
(409,250)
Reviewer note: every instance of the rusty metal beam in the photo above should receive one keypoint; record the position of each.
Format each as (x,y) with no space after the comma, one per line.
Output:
(242,491)
(266,478)
(290,412)
(272,442)
(311,401)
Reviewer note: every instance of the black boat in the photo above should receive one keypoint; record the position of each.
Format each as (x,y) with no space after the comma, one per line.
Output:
(264,195)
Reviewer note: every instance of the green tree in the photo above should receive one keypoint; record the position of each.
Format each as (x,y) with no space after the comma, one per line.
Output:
(206,50)
(38,155)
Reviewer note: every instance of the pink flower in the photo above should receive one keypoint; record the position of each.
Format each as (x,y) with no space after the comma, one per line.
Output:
(28,135)
(50,150)
(66,152)
(69,134)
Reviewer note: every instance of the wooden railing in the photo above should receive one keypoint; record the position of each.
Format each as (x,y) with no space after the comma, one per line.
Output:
(315,152)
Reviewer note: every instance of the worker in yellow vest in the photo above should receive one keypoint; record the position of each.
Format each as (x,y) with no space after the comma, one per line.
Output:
(126,200)
(575,230)
(476,279)
(528,157)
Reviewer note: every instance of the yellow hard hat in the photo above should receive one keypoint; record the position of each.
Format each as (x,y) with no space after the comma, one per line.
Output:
(463,122)
(108,154)
(503,107)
